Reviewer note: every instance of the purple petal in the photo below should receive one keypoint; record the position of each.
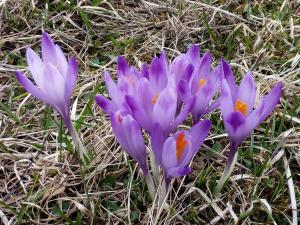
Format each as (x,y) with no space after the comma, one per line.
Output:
(187,107)
(157,141)
(54,88)
(105,104)
(194,54)
(247,92)
(169,153)
(205,64)
(198,134)
(36,66)
(227,74)
(123,67)
(112,89)
(30,87)
(265,108)
(118,130)
(165,108)
(145,95)
(226,100)
(48,49)
(144,71)
(138,113)
(71,77)
(178,171)
(157,74)
(136,141)
(184,91)
(61,61)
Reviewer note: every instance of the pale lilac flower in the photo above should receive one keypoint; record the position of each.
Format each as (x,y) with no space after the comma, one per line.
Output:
(55,79)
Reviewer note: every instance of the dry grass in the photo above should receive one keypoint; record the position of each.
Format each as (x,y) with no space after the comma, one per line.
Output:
(42,183)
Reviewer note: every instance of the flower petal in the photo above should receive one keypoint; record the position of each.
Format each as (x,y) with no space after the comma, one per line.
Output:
(157,141)
(36,66)
(138,113)
(265,108)
(54,88)
(205,64)
(194,54)
(48,49)
(105,104)
(61,61)
(165,108)
(198,134)
(112,89)
(247,92)
(71,77)
(178,171)
(157,74)
(169,153)
(30,87)
(226,100)
(136,141)
(227,74)
(123,67)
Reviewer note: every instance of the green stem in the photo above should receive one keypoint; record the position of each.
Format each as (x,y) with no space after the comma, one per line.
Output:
(228,168)
(150,185)
(76,140)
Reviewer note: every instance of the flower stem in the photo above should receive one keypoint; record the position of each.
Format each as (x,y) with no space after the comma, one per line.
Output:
(228,168)
(77,142)
(154,167)
(164,189)
(150,185)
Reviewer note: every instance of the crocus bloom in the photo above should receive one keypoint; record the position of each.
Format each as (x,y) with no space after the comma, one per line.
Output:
(55,80)
(196,78)
(237,106)
(156,99)
(128,134)
(128,78)
(176,152)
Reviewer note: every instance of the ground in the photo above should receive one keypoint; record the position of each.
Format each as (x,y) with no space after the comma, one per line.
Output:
(41,182)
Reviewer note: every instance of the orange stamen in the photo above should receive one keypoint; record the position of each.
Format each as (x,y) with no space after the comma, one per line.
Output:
(181,144)
(241,107)
(201,82)
(155,98)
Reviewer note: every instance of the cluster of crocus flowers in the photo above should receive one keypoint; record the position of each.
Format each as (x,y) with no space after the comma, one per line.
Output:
(55,79)
(157,99)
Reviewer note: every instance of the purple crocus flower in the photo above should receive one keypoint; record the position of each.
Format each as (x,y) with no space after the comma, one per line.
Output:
(55,79)
(240,117)
(196,78)
(175,153)
(156,100)
(128,79)
(128,134)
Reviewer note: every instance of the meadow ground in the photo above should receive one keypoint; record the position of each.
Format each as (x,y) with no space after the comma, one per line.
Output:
(42,183)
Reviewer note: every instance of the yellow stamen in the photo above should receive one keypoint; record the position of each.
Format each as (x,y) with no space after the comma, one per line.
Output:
(181,144)
(241,107)
(155,98)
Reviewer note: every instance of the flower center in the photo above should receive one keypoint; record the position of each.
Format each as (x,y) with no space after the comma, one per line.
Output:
(241,107)
(154,98)
(181,144)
